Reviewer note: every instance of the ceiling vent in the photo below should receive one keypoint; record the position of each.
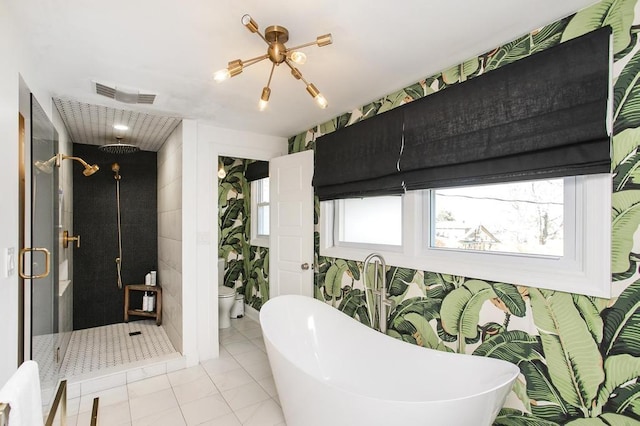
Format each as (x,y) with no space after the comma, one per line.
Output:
(127,96)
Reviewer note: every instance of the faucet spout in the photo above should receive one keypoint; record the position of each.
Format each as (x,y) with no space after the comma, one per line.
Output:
(378,289)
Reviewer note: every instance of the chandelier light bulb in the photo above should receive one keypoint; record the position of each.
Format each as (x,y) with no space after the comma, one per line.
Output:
(298,57)
(322,101)
(221,75)
(315,93)
(264,99)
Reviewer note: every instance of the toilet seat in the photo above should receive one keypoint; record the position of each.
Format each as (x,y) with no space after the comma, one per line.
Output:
(224,292)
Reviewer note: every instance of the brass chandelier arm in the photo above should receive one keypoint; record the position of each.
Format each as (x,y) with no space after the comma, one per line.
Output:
(321,41)
(273,67)
(252,26)
(255,60)
(262,37)
(266,91)
(311,88)
(291,49)
(296,72)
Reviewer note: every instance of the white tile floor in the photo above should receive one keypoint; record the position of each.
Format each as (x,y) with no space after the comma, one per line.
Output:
(235,389)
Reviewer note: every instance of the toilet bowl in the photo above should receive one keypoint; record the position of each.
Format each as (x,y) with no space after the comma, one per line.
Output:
(226,299)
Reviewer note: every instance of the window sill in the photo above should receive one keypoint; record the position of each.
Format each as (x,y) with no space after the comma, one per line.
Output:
(260,242)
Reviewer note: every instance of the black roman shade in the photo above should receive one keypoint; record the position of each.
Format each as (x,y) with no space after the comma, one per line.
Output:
(542,116)
(257,170)
(361,159)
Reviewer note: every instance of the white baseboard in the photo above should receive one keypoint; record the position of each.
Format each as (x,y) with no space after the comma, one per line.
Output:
(252,313)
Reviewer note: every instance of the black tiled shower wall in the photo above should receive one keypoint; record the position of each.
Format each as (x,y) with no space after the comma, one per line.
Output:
(97,300)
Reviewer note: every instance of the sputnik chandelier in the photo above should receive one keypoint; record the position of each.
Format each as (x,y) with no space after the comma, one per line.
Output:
(276,36)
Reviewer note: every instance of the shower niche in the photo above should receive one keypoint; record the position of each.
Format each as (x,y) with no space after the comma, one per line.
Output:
(98,299)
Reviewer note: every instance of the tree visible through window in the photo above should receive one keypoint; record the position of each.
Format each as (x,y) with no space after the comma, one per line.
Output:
(520,217)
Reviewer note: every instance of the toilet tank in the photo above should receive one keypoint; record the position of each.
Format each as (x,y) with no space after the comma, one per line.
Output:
(221,271)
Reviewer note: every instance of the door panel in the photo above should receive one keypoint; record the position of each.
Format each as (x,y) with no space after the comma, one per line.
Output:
(44,234)
(291,224)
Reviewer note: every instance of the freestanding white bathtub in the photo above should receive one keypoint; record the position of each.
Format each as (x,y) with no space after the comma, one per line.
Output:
(331,370)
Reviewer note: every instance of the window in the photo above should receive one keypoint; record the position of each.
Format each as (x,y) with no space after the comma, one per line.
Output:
(518,217)
(357,217)
(260,212)
(552,233)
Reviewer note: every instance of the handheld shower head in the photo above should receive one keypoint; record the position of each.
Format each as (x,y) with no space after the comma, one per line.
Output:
(115,168)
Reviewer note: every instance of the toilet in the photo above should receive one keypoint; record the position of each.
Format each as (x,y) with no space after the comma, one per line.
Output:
(226,298)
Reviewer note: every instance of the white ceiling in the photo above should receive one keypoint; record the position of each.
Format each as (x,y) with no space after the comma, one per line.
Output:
(171,48)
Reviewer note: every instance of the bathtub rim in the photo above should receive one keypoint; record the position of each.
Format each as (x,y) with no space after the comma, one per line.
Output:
(515,370)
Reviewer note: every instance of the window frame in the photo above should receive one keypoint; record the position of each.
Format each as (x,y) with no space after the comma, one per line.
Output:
(257,239)
(580,270)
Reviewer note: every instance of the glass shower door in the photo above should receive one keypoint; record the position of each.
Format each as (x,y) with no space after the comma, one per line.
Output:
(43,254)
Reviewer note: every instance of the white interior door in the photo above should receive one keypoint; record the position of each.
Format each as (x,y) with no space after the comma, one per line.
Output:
(291,239)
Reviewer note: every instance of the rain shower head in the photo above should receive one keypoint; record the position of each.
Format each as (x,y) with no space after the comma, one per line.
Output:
(119,148)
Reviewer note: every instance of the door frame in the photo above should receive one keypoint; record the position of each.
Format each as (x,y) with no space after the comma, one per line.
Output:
(202,144)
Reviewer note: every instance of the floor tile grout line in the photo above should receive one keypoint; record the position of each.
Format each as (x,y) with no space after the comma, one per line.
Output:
(205,373)
(253,378)
(178,402)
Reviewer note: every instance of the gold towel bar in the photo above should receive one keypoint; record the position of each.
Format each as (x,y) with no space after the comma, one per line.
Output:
(59,400)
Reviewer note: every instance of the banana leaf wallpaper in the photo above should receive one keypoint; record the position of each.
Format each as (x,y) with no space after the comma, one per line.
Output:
(247,266)
(579,356)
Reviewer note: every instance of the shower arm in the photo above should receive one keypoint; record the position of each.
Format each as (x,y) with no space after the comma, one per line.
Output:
(61,157)
(88,169)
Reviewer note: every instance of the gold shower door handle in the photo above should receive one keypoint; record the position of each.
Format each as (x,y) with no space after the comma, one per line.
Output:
(47,261)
